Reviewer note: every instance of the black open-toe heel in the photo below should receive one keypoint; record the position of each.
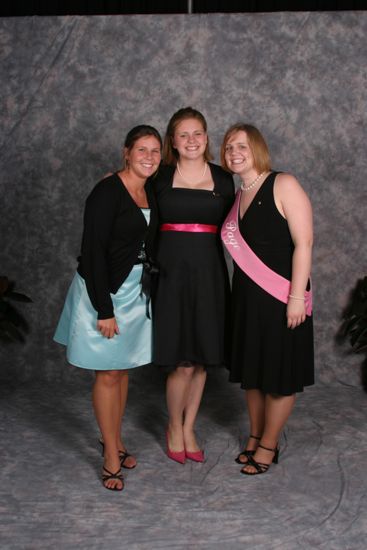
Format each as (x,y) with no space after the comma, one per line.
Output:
(260,467)
(123,455)
(109,475)
(245,453)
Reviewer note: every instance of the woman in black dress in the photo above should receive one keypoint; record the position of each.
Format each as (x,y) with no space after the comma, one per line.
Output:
(193,198)
(272,334)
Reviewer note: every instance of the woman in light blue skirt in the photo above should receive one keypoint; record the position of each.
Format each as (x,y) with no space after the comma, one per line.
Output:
(105,324)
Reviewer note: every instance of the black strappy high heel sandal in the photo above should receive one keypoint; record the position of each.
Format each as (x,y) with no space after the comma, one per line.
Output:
(260,467)
(246,453)
(123,455)
(109,475)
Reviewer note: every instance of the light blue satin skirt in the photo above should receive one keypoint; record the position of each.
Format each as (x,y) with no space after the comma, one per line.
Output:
(86,347)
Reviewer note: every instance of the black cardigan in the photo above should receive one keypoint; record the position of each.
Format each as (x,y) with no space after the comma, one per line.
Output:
(114,230)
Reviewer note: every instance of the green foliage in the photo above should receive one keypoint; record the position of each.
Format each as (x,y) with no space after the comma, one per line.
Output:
(354,325)
(13,326)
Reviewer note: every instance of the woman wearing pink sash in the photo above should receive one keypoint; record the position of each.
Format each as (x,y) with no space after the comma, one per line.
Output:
(268,233)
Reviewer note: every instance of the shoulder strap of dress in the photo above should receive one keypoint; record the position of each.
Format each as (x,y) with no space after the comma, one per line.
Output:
(223,181)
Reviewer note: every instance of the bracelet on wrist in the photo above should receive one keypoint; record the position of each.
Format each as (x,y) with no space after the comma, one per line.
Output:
(296,297)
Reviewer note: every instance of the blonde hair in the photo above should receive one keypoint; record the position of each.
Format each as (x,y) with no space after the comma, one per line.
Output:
(169,154)
(256,142)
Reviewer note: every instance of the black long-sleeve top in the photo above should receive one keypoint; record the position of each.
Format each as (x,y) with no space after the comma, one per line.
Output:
(114,230)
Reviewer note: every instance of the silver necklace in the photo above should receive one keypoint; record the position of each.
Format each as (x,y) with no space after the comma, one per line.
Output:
(252,184)
(190,182)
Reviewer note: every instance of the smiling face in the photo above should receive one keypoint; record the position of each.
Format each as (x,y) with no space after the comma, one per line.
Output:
(238,155)
(190,139)
(144,156)
(244,151)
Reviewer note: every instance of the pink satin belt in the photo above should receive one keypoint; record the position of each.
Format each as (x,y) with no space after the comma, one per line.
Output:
(191,227)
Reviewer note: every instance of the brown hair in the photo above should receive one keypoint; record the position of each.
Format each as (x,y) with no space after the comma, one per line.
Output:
(256,142)
(143,130)
(169,154)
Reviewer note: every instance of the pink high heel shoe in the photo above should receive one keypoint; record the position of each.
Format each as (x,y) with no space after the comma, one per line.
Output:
(197,456)
(177,456)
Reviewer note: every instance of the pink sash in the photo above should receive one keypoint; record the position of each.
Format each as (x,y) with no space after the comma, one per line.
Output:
(246,259)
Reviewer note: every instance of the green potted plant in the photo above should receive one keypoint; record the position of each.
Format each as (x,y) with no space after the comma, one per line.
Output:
(354,323)
(13,326)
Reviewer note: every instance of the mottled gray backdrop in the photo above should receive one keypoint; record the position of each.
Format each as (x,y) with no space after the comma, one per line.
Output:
(71,87)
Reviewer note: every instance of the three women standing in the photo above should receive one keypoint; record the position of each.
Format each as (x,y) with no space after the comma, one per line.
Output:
(268,232)
(105,323)
(190,311)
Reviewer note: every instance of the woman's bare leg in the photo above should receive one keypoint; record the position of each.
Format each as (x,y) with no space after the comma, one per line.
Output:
(255,400)
(177,390)
(277,411)
(191,409)
(130,461)
(107,407)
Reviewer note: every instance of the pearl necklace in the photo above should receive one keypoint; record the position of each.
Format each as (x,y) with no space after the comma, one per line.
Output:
(252,184)
(190,182)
